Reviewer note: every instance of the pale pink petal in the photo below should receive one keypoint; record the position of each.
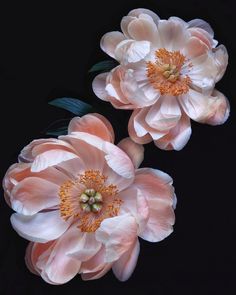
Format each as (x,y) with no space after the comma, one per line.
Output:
(51,158)
(93,124)
(136,131)
(156,187)
(204,36)
(55,265)
(197,105)
(85,248)
(199,23)
(38,146)
(109,42)
(115,158)
(220,109)
(41,227)
(221,61)
(173,34)
(28,258)
(141,11)
(195,47)
(125,265)
(34,194)
(203,73)
(130,51)
(143,28)
(96,275)
(99,86)
(133,150)
(117,234)
(177,137)
(135,203)
(135,94)
(136,15)
(164,114)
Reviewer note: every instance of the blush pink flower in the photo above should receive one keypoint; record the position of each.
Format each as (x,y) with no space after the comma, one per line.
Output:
(82,202)
(167,74)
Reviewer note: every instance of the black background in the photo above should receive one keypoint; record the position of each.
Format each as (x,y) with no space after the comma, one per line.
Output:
(46,53)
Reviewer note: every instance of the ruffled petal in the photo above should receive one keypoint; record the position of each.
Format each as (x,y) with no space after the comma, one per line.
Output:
(173,34)
(220,109)
(133,150)
(196,105)
(52,260)
(51,158)
(117,234)
(99,86)
(164,114)
(199,23)
(157,188)
(41,227)
(34,194)
(130,51)
(110,41)
(95,124)
(177,137)
(125,265)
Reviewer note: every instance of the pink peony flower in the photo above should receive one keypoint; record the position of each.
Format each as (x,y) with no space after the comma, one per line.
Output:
(83,202)
(167,74)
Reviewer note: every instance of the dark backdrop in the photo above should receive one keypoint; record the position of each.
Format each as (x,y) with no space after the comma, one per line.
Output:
(46,53)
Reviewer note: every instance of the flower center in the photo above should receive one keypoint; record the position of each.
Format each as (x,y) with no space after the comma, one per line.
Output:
(165,73)
(89,200)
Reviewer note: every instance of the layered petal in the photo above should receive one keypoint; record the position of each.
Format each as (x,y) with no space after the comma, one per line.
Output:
(110,41)
(156,187)
(177,137)
(41,227)
(125,265)
(95,124)
(117,234)
(34,194)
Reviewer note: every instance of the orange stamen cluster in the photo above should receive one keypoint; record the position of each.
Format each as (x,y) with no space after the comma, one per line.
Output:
(164,74)
(71,191)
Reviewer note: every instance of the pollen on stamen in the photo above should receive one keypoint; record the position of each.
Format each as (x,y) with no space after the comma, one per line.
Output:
(89,200)
(165,73)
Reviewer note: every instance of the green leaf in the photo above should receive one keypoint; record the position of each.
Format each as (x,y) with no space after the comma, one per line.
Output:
(103,66)
(58,131)
(72,105)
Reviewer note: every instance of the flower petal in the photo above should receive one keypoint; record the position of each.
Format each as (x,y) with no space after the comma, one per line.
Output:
(133,150)
(86,247)
(34,194)
(197,105)
(55,265)
(125,265)
(142,28)
(221,61)
(41,227)
(95,124)
(99,86)
(177,137)
(130,51)
(220,109)
(51,158)
(110,41)
(117,234)
(137,131)
(140,11)
(115,158)
(157,188)
(164,114)
(199,23)
(173,34)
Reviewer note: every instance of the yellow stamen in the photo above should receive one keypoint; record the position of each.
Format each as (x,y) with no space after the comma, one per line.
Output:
(89,199)
(165,73)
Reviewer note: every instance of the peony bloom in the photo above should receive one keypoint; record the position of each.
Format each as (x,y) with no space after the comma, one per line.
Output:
(82,202)
(167,74)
